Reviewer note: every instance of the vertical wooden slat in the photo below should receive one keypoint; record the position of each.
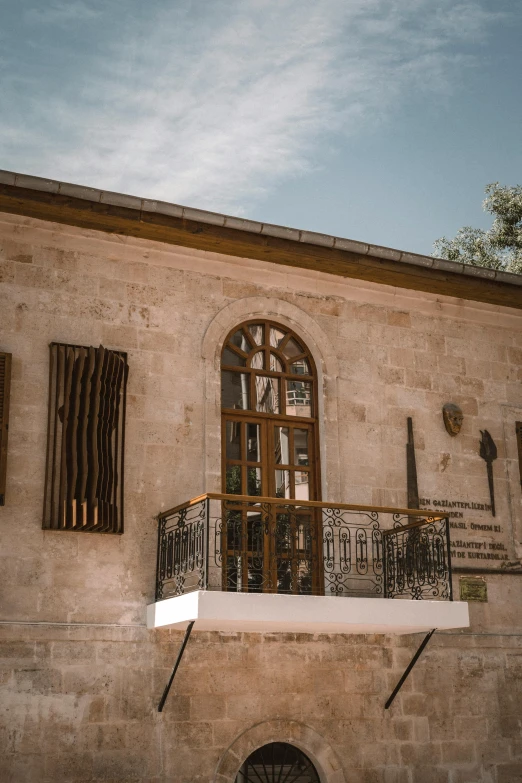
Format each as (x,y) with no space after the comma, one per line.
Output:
(58,430)
(114,438)
(83,428)
(103,426)
(51,439)
(92,482)
(116,442)
(5,388)
(121,441)
(113,390)
(73,452)
(65,445)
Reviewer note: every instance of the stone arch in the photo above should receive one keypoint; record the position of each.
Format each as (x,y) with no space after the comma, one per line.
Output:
(327,376)
(295,733)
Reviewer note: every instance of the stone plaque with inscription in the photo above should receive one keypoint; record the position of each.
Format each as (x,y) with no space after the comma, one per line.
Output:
(477,538)
(473,588)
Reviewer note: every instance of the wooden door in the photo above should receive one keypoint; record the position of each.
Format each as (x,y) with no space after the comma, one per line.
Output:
(269,434)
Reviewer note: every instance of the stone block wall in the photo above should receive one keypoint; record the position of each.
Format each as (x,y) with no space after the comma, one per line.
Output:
(80,704)
(82,676)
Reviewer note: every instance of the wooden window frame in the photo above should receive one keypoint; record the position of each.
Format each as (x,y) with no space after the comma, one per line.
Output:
(254,416)
(268,465)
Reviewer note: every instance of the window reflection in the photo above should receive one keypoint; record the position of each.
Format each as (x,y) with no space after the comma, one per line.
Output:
(239,339)
(276,336)
(257,331)
(282,445)
(301,447)
(283,488)
(292,348)
(235,390)
(302,485)
(299,398)
(275,364)
(232,358)
(253,443)
(254,481)
(233,448)
(258,360)
(267,393)
(233,480)
(300,367)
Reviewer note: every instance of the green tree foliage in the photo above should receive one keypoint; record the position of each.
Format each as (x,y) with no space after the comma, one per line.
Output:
(498,248)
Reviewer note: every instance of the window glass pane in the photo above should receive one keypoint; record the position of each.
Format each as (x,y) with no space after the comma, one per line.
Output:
(255,539)
(302,485)
(257,332)
(253,443)
(301,367)
(292,348)
(235,390)
(254,481)
(281,445)
(276,336)
(233,526)
(258,360)
(298,398)
(233,448)
(283,489)
(267,392)
(239,339)
(229,357)
(275,364)
(233,480)
(301,447)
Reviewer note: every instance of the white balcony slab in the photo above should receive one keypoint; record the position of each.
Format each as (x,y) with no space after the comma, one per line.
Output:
(220,611)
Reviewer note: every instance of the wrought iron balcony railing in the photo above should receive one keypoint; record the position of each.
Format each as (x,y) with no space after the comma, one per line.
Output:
(275,545)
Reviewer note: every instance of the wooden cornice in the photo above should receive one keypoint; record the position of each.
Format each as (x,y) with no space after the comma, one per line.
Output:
(135,217)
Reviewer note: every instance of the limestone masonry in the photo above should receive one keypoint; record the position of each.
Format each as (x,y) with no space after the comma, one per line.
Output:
(82,675)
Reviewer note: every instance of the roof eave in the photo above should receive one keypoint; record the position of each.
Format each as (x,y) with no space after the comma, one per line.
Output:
(175,224)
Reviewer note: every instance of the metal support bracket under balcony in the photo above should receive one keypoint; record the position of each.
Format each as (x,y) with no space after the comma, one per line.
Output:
(175,669)
(409,668)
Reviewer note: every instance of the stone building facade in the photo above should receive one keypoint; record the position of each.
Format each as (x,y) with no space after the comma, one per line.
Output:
(392,336)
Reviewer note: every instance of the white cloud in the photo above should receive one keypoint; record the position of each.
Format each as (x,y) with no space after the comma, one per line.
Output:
(61,12)
(213,104)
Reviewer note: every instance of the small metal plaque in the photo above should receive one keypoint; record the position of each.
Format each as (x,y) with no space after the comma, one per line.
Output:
(473,588)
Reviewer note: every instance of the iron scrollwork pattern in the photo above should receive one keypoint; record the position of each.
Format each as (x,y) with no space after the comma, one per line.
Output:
(279,546)
(268,548)
(417,560)
(352,552)
(182,551)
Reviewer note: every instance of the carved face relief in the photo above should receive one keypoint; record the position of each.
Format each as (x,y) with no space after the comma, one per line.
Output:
(453,418)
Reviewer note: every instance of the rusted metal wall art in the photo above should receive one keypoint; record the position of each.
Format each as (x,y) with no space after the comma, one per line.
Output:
(453,418)
(411,468)
(488,452)
(85,442)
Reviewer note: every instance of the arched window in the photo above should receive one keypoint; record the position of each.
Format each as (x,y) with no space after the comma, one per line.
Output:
(269,414)
(270,450)
(277,761)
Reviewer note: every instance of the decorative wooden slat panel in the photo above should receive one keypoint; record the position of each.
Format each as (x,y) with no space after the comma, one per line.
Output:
(85,442)
(5,386)
(518,427)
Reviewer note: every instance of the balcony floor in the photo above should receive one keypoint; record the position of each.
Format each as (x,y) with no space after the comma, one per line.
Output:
(268,612)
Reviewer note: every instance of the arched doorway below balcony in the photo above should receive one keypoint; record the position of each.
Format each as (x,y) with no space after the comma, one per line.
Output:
(270,450)
(275,762)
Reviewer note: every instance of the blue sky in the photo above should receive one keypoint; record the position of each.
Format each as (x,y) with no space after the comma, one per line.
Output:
(379,120)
